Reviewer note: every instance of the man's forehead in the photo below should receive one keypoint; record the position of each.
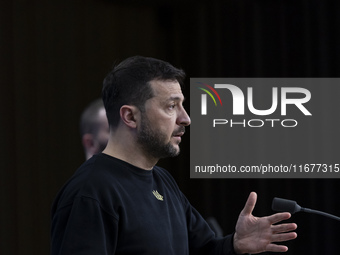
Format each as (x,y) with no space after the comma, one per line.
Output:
(168,88)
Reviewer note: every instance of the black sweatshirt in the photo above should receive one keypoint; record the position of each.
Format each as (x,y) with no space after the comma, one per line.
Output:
(112,207)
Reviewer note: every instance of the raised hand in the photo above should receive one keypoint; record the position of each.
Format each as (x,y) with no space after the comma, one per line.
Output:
(259,234)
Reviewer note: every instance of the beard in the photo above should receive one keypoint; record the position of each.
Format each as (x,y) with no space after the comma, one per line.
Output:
(153,141)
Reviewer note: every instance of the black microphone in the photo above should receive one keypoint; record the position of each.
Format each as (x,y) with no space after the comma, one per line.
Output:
(285,205)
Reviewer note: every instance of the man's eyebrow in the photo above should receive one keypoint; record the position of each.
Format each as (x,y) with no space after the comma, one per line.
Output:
(176,98)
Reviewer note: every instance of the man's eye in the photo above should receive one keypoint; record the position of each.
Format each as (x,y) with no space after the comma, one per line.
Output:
(172,106)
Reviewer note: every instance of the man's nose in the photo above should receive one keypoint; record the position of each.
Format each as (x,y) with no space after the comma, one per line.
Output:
(183,118)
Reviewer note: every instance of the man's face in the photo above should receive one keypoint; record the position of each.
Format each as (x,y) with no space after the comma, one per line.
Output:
(103,134)
(164,120)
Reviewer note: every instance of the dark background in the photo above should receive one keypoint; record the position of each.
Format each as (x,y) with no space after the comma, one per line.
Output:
(55,54)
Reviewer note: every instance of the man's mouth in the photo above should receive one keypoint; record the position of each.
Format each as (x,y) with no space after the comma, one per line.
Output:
(179,132)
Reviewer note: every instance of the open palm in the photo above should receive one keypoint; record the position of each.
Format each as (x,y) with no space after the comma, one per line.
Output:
(259,234)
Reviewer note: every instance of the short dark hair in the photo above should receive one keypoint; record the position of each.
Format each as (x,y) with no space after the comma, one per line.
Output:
(89,118)
(129,83)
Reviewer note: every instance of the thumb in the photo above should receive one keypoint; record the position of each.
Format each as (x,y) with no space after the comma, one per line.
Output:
(250,204)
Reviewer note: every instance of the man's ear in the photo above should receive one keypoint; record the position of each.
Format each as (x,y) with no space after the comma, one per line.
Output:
(87,141)
(129,115)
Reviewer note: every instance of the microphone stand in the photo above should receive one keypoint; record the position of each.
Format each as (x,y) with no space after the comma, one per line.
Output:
(320,213)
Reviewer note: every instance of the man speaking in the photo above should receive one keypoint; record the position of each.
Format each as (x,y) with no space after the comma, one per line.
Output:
(120,202)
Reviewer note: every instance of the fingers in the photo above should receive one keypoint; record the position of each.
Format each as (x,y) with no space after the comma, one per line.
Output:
(279,236)
(263,231)
(283,228)
(250,204)
(277,217)
(276,248)
(284,237)
(282,232)
(272,247)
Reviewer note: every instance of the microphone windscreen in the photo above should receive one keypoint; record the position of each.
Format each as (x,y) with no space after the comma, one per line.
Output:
(285,205)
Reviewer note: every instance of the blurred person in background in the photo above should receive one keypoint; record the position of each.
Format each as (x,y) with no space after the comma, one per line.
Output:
(94,128)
